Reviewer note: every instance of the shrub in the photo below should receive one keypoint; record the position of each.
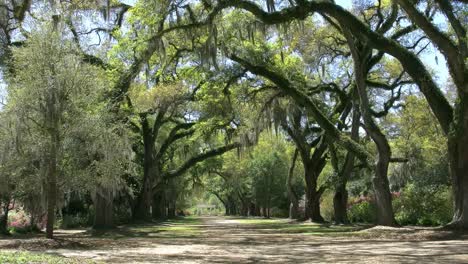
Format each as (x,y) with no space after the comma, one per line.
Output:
(73,221)
(18,222)
(362,212)
(326,205)
(279,212)
(428,206)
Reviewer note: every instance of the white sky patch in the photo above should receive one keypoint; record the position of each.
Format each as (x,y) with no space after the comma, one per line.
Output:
(128,2)
(3,92)
(345,3)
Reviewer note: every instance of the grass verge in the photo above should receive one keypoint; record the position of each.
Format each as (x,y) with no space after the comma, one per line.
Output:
(25,257)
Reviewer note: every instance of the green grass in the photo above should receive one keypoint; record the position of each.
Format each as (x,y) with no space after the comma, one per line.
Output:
(23,257)
(285,226)
(180,227)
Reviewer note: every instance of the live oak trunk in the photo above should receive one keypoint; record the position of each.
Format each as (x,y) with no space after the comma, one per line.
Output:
(104,209)
(171,212)
(383,199)
(4,218)
(458,158)
(145,198)
(340,203)
(253,210)
(171,209)
(245,208)
(340,199)
(231,208)
(293,197)
(312,210)
(313,167)
(159,206)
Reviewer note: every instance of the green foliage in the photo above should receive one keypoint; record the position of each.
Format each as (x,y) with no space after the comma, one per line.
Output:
(326,205)
(74,221)
(416,135)
(362,212)
(269,169)
(23,257)
(424,206)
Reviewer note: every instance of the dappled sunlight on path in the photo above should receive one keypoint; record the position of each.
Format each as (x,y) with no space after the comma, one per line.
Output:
(231,240)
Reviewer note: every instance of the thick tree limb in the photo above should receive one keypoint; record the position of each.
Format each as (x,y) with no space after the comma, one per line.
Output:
(412,64)
(442,41)
(175,135)
(287,87)
(197,159)
(399,160)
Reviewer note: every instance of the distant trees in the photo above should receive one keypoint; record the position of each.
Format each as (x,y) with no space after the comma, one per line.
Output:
(253,184)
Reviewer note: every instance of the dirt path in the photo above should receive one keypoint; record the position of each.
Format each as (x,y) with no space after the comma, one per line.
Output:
(224,240)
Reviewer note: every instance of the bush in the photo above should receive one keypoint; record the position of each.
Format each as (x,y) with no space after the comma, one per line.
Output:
(279,212)
(74,221)
(326,205)
(362,211)
(427,206)
(19,222)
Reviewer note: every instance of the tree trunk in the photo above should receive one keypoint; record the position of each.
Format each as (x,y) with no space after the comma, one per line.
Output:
(252,209)
(171,210)
(245,209)
(4,219)
(340,203)
(145,198)
(340,199)
(383,199)
(458,158)
(232,210)
(104,209)
(52,181)
(159,207)
(312,168)
(293,197)
(313,205)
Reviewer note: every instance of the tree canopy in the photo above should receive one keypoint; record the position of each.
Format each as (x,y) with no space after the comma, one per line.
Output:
(135,110)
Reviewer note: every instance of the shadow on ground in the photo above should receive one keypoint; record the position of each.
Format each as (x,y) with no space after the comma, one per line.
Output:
(237,240)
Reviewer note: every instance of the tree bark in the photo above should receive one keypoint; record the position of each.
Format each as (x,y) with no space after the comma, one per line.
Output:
(458,159)
(159,206)
(104,209)
(145,198)
(4,218)
(313,167)
(52,168)
(383,198)
(340,199)
(293,197)
(264,212)
(245,208)
(151,164)
(171,210)
(312,210)
(340,203)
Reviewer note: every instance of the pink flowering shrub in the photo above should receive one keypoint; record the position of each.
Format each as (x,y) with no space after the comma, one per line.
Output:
(18,221)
